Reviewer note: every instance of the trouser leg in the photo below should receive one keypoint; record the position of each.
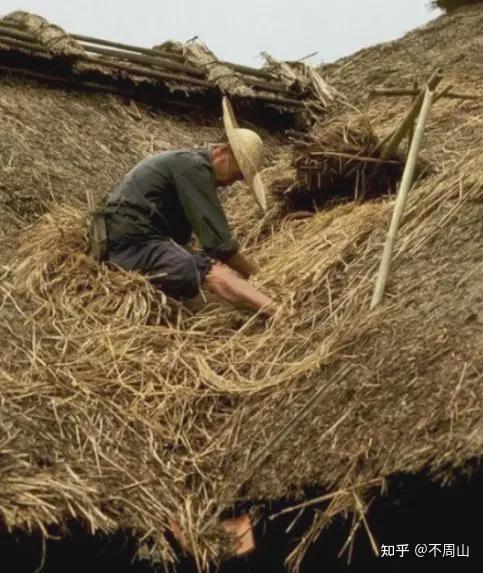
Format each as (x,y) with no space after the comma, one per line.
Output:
(169,266)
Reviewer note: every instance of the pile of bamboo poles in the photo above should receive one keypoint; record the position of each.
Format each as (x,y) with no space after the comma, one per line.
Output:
(338,162)
(342,160)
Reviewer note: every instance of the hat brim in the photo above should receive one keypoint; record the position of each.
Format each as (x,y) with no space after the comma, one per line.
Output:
(251,176)
(258,189)
(229,118)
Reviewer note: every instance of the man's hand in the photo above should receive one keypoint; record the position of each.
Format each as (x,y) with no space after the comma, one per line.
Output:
(242,265)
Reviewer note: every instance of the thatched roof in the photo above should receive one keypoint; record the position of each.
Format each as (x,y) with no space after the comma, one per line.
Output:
(122,408)
(452,41)
(184,75)
(450,5)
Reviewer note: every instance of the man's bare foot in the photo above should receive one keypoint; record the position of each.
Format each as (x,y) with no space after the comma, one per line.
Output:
(239,529)
(178,534)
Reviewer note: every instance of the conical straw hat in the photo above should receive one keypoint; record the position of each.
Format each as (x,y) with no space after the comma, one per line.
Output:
(247,148)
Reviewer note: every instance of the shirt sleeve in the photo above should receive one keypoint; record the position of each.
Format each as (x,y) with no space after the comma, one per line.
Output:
(197,193)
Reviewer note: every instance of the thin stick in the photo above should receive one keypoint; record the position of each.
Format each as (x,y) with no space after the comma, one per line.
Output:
(415,92)
(348,156)
(90,200)
(321,498)
(406,183)
(362,512)
(311,55)
(443,92)
(260,456)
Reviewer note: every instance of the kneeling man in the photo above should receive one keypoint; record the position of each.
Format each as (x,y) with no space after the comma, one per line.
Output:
(152,214)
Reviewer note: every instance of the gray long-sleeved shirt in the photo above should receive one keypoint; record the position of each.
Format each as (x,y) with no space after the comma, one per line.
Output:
(172,194)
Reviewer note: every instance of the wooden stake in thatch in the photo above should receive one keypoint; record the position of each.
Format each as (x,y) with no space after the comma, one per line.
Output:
(406,183)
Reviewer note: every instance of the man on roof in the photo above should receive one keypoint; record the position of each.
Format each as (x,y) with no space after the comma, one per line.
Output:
(152,214)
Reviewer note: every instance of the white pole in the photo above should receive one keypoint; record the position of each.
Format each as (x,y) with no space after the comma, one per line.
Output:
(406,182)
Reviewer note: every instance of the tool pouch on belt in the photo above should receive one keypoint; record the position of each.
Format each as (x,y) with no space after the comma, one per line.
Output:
(96,232)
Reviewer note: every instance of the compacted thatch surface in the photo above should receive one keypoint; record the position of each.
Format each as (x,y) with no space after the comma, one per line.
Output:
(122,408)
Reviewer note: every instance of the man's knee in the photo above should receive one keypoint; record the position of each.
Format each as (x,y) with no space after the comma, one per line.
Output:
(178,276)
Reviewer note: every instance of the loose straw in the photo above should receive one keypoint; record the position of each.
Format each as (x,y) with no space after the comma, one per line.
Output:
(406,182)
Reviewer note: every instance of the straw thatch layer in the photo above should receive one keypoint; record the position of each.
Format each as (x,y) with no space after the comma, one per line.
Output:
(94,141)
(176,412)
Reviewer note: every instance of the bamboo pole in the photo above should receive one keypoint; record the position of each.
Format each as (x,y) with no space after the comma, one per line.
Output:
(256,72)
(413,92)
(406,182)
(260,456)
(151,73)
(14,26)
(14,33)
(143,59)
(276,99)
(26,41)
(174,66)
(246,70)
(362,158)
(147,72)
(389,145)
(129,56)
(157,62)
(21,45)
(159,75)
(161,54)
(129,48)
(70,82)
(413,123)
(78,82)
(102,61)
